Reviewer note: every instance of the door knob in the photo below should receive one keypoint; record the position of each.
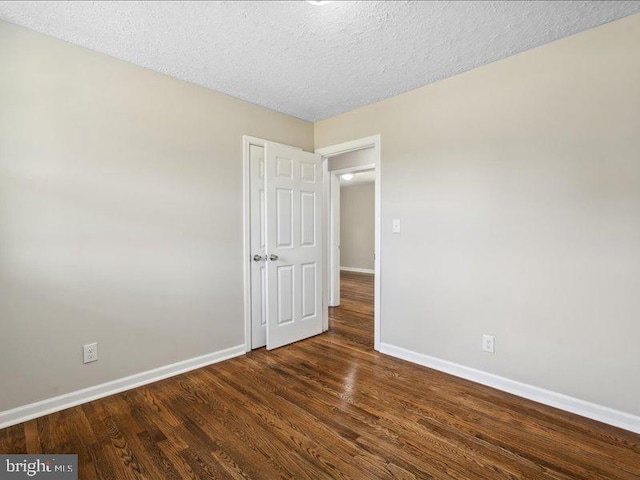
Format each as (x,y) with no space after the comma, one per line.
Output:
(273,257)
(257,258)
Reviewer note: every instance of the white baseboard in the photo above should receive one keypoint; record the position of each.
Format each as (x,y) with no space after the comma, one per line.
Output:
(55,404)
(357,270)
(594,411)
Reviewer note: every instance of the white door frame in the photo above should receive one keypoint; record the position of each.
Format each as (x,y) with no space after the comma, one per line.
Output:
(331,151)
(247,141)
(334,228)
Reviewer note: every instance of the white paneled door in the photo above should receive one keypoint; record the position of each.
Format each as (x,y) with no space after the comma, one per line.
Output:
(293,245)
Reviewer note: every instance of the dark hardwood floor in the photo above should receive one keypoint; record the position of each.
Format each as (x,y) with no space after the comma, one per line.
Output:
(327,407)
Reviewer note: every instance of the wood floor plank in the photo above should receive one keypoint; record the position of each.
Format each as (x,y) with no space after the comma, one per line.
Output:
(327,407)
(32,438)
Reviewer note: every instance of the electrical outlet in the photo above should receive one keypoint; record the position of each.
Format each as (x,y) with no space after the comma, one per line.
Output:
(90,352)
(488,343)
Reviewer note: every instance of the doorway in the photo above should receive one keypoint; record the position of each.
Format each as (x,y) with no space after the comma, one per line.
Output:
(357,227)
(351,217)
(332,175)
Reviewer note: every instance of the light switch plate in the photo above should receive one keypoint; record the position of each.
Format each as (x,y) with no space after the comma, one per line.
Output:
(396,225)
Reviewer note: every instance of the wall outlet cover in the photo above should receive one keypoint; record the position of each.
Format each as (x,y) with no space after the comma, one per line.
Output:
(488,343)
(90,352)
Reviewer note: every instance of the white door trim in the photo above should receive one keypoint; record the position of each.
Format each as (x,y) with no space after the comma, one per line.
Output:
(247,141)
(374,142)
(334,238)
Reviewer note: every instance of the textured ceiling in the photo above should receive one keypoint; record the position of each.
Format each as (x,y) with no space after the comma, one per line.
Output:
(311,61)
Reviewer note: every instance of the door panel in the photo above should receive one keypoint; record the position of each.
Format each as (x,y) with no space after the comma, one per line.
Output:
(284,167)
(308,172)
(285,294)
(309,283)
(308,219)
(294,227)
(284,218)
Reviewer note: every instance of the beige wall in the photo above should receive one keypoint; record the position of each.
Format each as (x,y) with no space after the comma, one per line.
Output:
(120,216)
(357,235)
(518,187)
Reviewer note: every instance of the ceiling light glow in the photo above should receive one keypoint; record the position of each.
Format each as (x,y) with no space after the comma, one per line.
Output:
(347,176)
(312,2)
